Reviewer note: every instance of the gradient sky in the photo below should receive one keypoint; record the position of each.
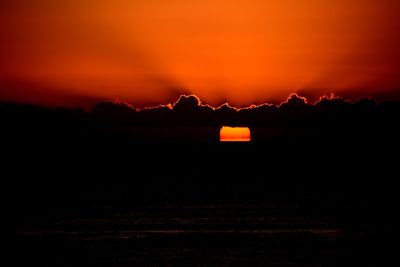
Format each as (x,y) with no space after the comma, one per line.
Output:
(78,52)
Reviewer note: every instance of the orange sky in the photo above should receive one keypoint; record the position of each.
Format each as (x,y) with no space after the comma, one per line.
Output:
(78,52)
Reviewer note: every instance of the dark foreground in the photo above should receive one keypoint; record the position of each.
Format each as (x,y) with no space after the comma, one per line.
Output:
(316,199)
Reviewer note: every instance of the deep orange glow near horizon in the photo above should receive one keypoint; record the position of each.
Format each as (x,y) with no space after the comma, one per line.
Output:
(145,52)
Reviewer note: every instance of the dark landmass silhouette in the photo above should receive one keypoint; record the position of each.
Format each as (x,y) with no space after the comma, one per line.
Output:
(76,183)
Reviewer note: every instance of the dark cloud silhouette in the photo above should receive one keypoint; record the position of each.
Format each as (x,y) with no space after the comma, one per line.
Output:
(113,109)
(190,120)
(187,103)
(189,110)
(294,101)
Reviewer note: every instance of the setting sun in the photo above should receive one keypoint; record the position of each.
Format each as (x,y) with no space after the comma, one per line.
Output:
(235,134)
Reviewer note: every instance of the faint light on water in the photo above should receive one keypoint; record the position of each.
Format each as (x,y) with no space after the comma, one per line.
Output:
(234,134)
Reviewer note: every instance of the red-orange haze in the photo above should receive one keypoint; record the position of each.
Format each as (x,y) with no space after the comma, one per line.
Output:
(77,52)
